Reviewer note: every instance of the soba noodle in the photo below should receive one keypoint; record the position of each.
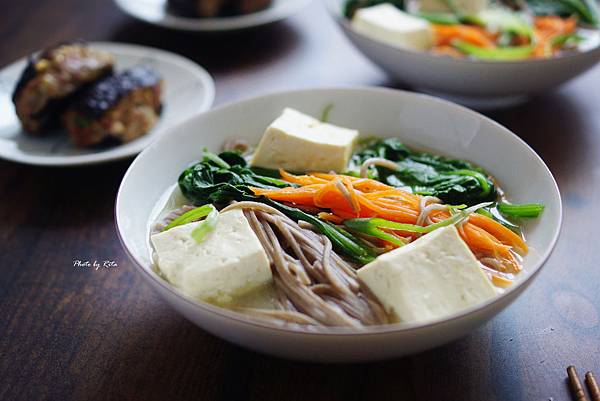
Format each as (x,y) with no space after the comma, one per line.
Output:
(376,161)
(314,285)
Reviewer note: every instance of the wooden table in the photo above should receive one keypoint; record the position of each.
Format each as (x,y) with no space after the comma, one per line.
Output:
(75,334)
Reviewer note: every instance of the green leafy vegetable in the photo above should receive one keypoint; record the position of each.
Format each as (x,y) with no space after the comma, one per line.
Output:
(190,216)
(232,158)
(524,210)
(207,225)
(208,182)
(453,181)
(353,5)
(496,53)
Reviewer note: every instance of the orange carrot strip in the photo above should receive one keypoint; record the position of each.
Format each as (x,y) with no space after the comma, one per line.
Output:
(300,196)
(367,185)
(501,282)
(330,217)
(329,197)
(300,179)
(503,234)
(398,206)
(480,240)
(399,215)
(445,34)
(395,194)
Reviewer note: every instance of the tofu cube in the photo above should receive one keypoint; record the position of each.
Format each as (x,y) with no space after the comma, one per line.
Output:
(390,25)
(297,142)
(462,6)
(430,278)
(228,263)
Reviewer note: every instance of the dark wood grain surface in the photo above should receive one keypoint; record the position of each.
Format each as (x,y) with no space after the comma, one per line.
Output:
(68,333)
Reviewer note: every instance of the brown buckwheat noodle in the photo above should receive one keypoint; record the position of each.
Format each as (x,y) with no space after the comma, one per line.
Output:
(315,286)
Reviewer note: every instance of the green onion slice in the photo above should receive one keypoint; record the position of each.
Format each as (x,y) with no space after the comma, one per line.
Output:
(206,226)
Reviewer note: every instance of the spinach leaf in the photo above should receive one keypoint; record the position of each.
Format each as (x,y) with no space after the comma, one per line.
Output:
(453,181)
(210,181)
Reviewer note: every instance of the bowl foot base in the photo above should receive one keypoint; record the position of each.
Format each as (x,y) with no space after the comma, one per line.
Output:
(480,103)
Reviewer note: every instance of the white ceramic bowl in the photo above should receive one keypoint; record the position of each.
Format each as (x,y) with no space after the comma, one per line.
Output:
(475,82)
(418,120)
(157,12)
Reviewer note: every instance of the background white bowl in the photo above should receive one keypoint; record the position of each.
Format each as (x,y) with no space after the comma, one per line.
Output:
(157,12)
(470,81)
(418,120)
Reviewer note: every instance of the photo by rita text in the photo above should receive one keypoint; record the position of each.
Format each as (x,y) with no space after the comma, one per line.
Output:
(95,264)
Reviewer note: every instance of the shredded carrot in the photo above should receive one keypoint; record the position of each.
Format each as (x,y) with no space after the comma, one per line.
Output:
(480,240)
(300,196)
(503,234)
(501,282)
(330,217)
(546,29)
(445,34)
(348,197)
(301,179)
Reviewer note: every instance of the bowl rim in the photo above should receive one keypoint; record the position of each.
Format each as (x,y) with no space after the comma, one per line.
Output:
(336,14)
(344,331)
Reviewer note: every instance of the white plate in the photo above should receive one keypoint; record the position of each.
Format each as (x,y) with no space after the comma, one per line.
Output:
(418,120)
(188,90)
(156,12)
(482,83)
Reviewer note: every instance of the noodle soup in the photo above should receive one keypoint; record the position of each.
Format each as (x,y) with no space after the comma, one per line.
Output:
(318,226)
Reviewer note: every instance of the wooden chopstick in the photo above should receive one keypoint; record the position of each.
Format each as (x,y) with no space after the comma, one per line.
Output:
(592,386)
(576,388)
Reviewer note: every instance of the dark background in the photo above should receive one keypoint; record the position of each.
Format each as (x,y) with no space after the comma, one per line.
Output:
(68,333)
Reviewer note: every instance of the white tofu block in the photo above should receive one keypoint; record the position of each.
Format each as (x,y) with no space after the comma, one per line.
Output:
(229,262)
(433,277)
(463,6)
(299,143)
(390,25)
